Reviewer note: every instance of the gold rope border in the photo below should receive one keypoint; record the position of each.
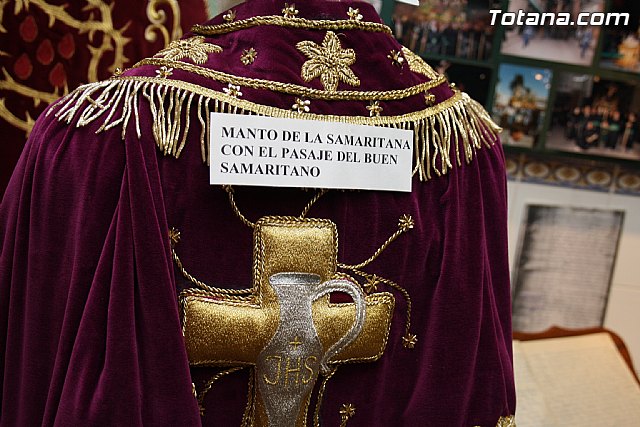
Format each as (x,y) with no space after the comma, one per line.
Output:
(280,21)
(292,89)
(289,114)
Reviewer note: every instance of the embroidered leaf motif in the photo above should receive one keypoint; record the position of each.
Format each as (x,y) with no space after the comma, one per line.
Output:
(193,48)
(329,61)
(417,64)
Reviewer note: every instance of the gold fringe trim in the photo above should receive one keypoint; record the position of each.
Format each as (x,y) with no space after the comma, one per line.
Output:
(459,120)
(293,89)
(280,21)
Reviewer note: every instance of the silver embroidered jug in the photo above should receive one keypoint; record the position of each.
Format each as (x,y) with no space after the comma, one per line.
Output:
(287,368)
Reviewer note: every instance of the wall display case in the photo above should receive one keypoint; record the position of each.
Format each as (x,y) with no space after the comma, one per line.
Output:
(566,93)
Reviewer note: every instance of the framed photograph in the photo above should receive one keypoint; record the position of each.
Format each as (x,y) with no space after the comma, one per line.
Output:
(592,115)
(621,42)
(473,80)
(572,44)
(520,101)
(445,28)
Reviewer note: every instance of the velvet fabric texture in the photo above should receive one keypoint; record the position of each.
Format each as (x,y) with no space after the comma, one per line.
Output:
(90,331)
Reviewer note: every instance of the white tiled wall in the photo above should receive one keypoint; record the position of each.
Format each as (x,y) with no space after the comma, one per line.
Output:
(623,309)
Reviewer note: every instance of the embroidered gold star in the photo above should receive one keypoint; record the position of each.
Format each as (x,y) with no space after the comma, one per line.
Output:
(429,98)
(232,90)
(290,10)
(409,341)
(374,109)
(354,14)
(347,411)
(396,58)
(301,105)
(193,48)
(164,72)
(371,285)
(248,56)
(405,222)
(174,237)
(230,16)
(328,61)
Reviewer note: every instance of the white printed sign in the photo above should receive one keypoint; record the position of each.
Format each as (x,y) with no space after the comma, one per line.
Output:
(278,152)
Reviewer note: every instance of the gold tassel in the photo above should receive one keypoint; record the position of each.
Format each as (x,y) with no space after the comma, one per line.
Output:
(460,121)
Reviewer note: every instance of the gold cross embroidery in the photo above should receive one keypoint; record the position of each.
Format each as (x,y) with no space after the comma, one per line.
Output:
(227,330)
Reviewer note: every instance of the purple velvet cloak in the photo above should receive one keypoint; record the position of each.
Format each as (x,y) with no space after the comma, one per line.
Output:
(89,322)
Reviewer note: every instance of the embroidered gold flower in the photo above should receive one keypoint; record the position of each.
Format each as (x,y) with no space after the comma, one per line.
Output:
(290,10)
(328,61)
(232,90)
(248,56)
(193,48)
(429,99)
(164,72)
(396,58)
(405,223)
(409,341)
(417,64)
(230,16)
(374,109)
(301,105)
(354,14)
(371,285)
(347,411)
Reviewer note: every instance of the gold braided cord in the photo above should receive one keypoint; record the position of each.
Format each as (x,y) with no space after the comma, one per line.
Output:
(250,409)
(234,206)
(290,88)
(323,386)
(203,285)
(405,224)
(289,114)
(281,21)
(377,253)
(210,383)
(306,209)
(245,221)
(240,294)
(390,283)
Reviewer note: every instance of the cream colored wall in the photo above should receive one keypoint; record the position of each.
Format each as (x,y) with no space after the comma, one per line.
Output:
(623,309)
